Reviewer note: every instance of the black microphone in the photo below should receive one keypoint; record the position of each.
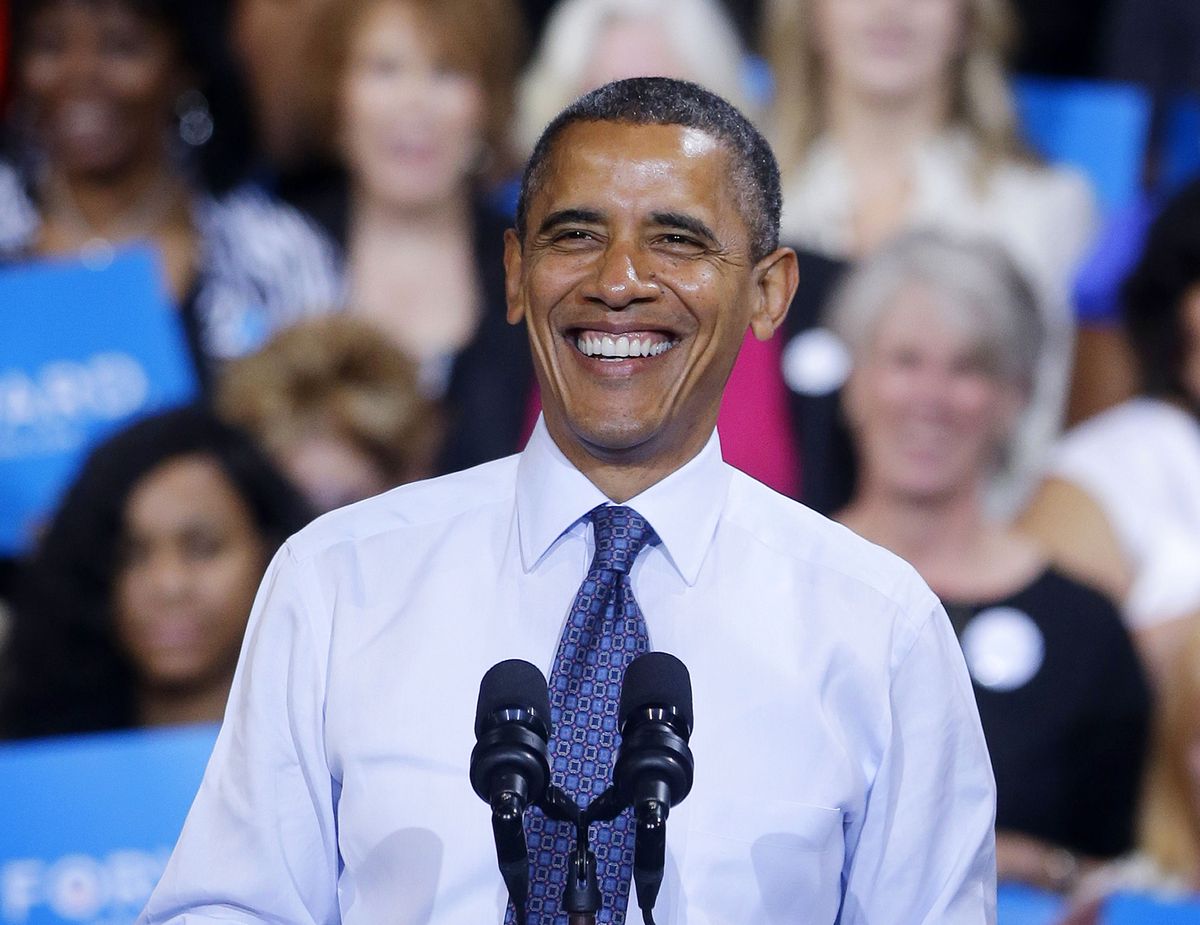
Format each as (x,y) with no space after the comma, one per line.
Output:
(510,764)
(654,767)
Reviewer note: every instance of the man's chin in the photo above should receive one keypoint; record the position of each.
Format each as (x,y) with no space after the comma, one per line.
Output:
(612,437)
(616,440)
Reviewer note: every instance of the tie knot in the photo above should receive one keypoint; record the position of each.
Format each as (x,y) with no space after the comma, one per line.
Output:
(621,532)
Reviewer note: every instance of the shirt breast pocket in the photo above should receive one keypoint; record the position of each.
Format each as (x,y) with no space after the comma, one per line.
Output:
(761,861)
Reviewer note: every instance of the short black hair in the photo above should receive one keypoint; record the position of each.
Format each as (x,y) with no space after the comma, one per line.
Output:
(63,671)
(1153,297)
(665,101)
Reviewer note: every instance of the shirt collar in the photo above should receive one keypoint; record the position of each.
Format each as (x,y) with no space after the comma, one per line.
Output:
(683,508)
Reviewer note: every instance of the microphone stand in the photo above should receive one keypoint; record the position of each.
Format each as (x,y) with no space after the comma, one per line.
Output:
(581,899)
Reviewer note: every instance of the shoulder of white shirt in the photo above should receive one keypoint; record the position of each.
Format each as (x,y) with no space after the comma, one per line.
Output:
(417,505)
(793,531)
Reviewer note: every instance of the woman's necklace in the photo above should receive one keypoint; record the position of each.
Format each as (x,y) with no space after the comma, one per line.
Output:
(97,248)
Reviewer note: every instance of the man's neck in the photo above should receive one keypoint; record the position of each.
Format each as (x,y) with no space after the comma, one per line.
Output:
(625,474)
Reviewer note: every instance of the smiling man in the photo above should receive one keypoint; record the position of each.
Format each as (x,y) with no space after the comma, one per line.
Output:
(841,774)
(636,269)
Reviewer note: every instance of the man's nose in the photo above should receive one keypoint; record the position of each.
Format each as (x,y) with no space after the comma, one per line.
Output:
(622,279)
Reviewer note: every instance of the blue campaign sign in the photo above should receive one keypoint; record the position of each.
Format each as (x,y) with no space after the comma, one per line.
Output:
(1022,905)
(87,822)
(82,351)
(1131,909)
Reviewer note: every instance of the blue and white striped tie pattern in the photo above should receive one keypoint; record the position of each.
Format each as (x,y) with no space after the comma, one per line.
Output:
(605,632)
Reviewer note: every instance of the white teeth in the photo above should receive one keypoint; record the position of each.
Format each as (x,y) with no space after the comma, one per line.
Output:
(623,346)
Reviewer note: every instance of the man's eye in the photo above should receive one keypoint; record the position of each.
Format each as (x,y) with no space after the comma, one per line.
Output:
(680,242)
(572,237)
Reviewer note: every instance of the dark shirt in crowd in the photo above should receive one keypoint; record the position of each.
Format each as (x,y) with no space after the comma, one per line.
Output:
(827,461)
(1065,708)
(1155,42)
(1061,38)
(491,377)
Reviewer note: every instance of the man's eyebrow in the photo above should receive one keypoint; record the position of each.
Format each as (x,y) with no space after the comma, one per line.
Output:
(568,217)
(688,223)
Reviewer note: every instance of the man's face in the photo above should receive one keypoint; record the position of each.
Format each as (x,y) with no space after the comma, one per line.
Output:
(636,280)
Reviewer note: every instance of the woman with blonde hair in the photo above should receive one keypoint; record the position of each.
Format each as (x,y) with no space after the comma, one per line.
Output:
(893,114)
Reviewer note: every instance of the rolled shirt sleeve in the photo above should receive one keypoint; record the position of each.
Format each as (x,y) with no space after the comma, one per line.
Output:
(924,850)
(260,842)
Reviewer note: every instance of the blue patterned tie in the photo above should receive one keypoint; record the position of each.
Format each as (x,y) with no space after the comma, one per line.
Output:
(604,633)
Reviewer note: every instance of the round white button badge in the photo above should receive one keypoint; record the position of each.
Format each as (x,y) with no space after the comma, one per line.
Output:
(815,362)
(1004,648)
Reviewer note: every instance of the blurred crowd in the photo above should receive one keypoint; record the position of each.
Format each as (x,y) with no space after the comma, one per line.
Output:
(327,184)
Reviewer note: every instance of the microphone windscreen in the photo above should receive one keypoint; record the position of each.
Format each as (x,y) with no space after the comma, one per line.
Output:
(657,679)
(512,683)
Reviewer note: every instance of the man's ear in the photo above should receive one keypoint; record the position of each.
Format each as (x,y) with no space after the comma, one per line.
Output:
(775,279)
(513,267)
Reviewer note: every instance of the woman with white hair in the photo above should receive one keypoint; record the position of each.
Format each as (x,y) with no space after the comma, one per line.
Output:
(944,338)
(587,43)
(897,114)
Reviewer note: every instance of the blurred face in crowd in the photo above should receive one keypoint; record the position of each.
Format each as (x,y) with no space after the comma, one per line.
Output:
(412,122)
(632,47)
(636,282)
(330,471)
(928,413)
(193,558)
(100,81)
(269,38)
(1191,327)
(889,49)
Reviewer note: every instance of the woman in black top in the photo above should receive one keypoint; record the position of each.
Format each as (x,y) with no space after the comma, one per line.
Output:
(944,336)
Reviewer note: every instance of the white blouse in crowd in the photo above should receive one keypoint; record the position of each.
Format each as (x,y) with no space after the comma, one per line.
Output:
(1044,216)
(1140,462)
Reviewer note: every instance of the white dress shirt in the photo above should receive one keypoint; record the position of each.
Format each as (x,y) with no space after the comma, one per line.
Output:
(841,772)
